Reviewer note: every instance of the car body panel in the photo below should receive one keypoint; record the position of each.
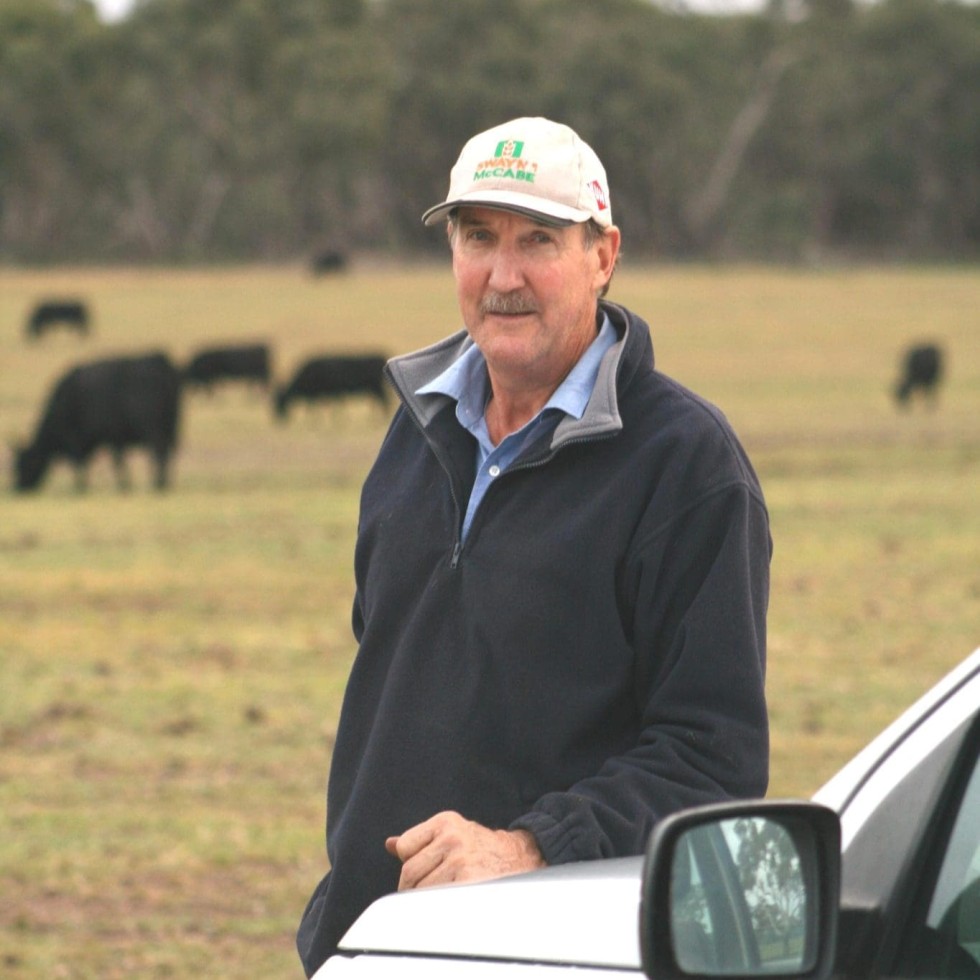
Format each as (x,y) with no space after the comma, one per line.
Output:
(382,967)
(584,913)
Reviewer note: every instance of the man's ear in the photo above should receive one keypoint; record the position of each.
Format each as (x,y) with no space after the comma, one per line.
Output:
(607,249)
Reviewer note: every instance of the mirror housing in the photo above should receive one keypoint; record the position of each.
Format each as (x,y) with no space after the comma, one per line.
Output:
(740,890)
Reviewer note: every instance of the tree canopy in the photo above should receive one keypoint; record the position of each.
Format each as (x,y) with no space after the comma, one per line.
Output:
(264,129)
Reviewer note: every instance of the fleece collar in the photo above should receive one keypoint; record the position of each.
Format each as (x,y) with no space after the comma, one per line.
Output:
(409,372)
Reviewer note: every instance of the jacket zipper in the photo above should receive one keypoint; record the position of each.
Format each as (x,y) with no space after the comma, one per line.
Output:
(458,524)
(530,464)
(527,465)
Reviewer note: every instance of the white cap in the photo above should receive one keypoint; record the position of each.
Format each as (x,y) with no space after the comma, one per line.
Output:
(533,166)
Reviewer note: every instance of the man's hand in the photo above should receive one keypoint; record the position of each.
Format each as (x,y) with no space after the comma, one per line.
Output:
(447,847)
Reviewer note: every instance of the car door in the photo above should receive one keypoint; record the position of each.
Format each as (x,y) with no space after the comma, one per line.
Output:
(911,846)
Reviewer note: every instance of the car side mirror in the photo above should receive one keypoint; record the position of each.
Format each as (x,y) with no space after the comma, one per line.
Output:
(745,889)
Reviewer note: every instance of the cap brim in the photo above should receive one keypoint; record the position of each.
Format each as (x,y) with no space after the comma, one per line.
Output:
(547,212)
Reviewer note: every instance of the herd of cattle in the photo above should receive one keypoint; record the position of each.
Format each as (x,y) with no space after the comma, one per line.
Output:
(122,403)
(128,402)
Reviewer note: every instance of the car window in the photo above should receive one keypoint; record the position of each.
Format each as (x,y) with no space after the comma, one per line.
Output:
(948,942)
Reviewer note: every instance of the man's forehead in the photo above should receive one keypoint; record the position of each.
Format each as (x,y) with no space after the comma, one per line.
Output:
(473,214)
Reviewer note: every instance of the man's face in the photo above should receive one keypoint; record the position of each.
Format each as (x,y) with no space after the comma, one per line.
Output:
(528,292)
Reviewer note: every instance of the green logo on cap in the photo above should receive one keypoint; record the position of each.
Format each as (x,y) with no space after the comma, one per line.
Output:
(509,148)
(507,163)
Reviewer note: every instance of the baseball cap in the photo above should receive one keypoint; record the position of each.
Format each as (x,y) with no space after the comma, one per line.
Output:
(533,166)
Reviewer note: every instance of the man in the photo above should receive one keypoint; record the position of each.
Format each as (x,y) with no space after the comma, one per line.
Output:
(562,567)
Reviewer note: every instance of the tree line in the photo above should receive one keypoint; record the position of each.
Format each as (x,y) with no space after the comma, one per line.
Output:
(207,130)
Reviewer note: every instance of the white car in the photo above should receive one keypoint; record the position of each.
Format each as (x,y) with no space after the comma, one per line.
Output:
(878,876)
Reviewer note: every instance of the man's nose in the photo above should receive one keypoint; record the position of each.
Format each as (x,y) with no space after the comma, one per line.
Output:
(506,272)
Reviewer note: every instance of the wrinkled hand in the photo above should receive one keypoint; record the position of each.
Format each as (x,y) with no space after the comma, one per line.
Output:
(448,847)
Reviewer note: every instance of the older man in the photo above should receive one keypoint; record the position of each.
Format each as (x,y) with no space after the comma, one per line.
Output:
(562,567)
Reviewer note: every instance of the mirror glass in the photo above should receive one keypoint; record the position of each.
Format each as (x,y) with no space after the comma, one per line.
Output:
(739,900)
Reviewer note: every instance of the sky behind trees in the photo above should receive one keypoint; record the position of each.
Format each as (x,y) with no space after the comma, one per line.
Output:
(113,10)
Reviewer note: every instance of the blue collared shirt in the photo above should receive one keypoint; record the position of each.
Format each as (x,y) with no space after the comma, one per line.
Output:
(466,382)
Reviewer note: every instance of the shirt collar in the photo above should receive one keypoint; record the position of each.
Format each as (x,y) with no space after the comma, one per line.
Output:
(466,382)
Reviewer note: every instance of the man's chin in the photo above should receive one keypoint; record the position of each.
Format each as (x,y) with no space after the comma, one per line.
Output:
(509,319)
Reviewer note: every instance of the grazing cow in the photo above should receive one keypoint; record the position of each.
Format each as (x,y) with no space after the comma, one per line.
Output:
(52,313)
(248,362)
(323,378)
(327,261)
(922,370)
(116,403)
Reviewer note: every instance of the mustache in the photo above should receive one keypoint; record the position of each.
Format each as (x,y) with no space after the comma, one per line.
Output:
(507,303)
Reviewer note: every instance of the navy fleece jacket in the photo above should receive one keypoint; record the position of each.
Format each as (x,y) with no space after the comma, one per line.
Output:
(590,659)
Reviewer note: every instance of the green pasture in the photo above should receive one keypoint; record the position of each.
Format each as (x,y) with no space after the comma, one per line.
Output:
(173,664)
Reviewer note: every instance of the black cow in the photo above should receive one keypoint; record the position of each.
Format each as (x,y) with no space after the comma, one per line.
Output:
(332,376)
(117,403)
(52,313)
(328,261)
(248,362)
(921,371)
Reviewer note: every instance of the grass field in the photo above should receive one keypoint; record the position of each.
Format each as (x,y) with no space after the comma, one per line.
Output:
(173,664)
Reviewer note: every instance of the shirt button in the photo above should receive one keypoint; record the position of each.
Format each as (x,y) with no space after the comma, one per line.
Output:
(494,470)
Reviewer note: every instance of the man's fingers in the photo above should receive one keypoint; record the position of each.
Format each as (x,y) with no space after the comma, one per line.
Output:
(422,849)
(448,847)
(413,840)
(425,868)
(406,845)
